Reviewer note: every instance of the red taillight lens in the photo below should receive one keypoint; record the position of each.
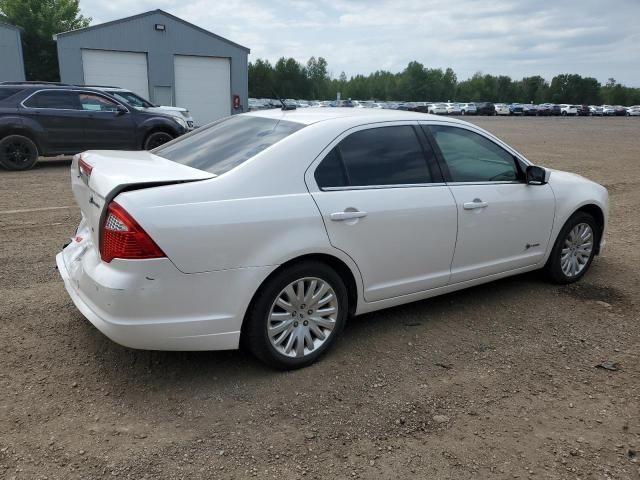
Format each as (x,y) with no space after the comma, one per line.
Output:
(122,237)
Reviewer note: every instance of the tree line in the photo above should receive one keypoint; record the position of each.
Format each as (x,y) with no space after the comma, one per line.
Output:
(288,78)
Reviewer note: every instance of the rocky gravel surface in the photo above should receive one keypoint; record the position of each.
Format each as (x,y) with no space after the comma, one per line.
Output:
(514,379)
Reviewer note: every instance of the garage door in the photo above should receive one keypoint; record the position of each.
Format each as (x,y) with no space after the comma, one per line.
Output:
(118,69)
(203,85)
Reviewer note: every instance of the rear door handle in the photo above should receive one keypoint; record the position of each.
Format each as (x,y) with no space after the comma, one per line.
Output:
(347,215)
(477,203)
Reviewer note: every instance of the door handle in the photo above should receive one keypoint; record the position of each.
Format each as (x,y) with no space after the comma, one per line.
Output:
(347,215)
(477,203)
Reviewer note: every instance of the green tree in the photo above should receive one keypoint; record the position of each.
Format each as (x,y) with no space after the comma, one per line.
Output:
(40,20)
(261,79)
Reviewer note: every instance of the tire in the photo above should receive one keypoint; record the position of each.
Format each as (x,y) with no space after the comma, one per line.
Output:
(156,138)
(18,152)
(290,332)
(564,114)
(554,267)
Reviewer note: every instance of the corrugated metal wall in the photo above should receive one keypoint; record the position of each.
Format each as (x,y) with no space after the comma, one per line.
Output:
(11,61)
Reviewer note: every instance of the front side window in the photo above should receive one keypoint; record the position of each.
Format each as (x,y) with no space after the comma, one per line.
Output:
(96,103)
(374,157)
(470,157)
(57,99)
(225,144)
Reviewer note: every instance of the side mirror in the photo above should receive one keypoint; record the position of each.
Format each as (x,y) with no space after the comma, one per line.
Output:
(537,175)
(120,110)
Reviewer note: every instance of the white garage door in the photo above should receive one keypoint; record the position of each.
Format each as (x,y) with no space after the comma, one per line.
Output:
(117,69)
(203,85)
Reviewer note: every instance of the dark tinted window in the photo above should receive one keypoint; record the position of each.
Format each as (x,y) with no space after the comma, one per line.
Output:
(384,156)
(7,92)
(223,145)
(473,158)
(330,172)
(54,99)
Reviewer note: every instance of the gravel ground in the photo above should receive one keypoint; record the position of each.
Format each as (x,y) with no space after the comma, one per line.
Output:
(498,381)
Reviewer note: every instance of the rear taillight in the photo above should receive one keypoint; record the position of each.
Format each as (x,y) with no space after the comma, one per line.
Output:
(122,237)
(85,170)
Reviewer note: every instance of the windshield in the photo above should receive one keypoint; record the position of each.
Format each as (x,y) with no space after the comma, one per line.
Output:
(225,144)
(131,99)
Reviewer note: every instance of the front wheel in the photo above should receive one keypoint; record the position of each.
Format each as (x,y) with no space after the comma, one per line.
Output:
(296,316)
(574,249)
(18,152)
(155,139)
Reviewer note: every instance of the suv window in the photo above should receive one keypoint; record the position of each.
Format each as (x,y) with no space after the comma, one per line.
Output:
(376,156)
(61,99)
(8,92)
(470,157)
(96,103)
(225,144)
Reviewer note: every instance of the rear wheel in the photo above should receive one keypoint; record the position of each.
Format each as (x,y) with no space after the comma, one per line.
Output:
(296,316)
(155,139)
(574,249)
(18,152)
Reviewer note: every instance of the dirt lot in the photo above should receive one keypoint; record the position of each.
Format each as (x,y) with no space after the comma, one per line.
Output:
(494,382)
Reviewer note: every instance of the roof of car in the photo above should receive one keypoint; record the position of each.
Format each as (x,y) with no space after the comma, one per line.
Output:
(311,115)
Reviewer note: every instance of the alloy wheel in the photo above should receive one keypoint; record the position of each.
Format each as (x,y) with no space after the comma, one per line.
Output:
(576,250)
(157,139)
(16,153)
(303,317)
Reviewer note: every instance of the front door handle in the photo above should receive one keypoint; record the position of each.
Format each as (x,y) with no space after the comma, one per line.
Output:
(477,203)
(347,215)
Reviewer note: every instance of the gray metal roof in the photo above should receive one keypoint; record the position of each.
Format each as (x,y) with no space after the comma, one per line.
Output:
(151,12)
(12,27)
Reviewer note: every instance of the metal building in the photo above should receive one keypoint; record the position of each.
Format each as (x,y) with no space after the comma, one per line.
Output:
(160,57)
(11,60)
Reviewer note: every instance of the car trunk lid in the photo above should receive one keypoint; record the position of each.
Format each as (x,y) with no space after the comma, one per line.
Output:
(107,173)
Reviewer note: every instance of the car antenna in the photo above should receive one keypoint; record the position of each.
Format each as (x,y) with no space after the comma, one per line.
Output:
(282,102)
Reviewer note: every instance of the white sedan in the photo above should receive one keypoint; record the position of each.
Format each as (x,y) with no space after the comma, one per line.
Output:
(271,228)
(502,109)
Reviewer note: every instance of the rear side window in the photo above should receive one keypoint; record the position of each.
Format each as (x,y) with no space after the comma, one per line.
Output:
(59,99)
(223,145)
(375,157)
(8,92)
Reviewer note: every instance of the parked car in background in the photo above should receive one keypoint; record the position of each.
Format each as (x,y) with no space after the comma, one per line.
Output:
(453,109)
(189,265)
(485,108)
(556,110)
(529,110)
(566,109)
(619,111)
(633,111)
(437,109)
(516,109)
(468,109)
(134,100)
(544,110)
(608,110)
(583,110)
(502,109)
(41,120)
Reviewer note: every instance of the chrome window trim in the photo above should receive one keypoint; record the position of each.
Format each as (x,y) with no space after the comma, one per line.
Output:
(503,182)
(380,187)
(68,109)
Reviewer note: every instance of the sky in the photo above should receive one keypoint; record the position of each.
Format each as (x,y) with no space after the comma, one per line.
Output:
(598,38)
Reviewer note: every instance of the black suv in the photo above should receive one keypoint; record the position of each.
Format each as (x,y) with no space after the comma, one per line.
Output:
(55,119)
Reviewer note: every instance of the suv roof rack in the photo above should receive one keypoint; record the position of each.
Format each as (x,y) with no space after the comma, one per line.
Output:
(101,86)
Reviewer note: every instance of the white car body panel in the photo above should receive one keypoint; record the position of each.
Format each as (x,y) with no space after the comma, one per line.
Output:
(223,236)
(502,109)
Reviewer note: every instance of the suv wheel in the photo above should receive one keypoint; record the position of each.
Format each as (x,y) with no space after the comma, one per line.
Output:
(155,139)
(18,152)
(296,316)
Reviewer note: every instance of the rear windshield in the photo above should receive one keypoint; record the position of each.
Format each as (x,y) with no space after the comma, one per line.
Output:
(223,145)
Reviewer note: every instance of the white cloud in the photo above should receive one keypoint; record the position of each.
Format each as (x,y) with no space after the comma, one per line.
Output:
(522,38)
